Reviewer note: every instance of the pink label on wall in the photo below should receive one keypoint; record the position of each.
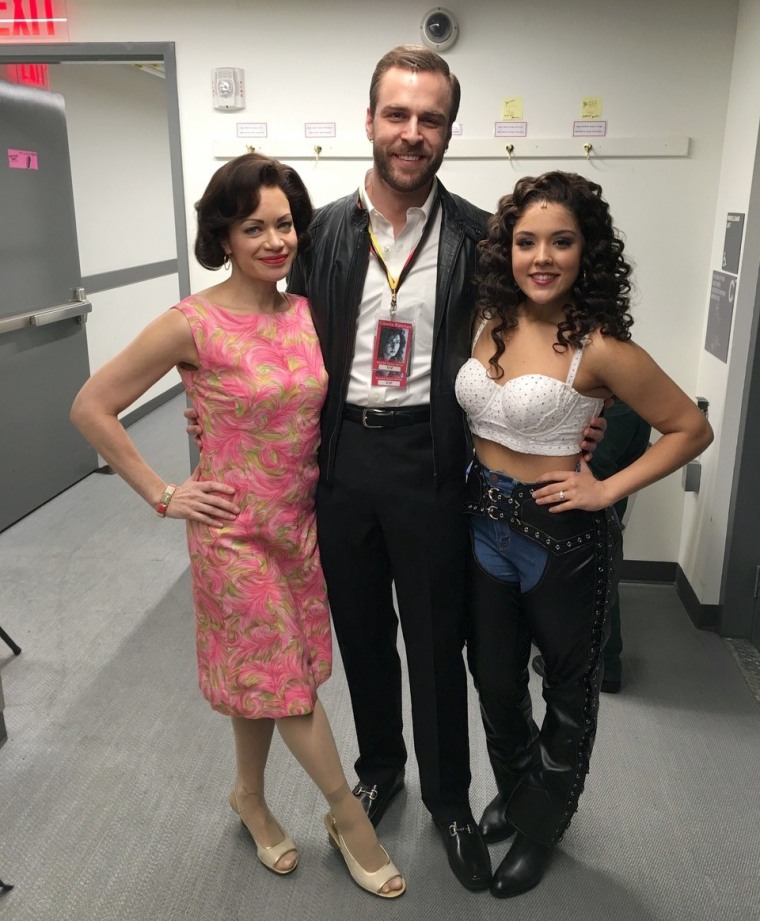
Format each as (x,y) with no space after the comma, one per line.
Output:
(22,159)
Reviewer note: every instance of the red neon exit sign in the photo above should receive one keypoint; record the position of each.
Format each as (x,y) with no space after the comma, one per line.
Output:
(27,74)
(33,21)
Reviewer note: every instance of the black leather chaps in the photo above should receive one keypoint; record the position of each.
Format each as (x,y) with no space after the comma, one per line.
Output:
(541,772)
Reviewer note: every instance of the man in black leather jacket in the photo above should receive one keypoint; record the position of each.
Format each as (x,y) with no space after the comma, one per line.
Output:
(392,459)
(340,241)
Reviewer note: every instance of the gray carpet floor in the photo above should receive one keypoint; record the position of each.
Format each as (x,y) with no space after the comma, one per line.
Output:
(114,778)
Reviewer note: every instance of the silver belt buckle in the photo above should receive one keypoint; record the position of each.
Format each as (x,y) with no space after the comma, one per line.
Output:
(369,409)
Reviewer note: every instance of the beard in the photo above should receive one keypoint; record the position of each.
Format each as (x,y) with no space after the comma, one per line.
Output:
(405,181)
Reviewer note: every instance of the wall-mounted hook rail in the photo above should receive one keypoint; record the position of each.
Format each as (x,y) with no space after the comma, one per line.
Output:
(483,148)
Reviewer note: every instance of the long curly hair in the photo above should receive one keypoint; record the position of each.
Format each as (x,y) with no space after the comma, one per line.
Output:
(600,297)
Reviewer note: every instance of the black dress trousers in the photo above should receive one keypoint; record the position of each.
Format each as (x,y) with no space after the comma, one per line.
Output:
(383,521)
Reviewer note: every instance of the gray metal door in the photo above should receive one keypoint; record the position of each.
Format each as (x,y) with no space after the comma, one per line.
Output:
(43,342)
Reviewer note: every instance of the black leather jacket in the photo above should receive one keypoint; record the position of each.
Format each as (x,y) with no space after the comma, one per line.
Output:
(331,274)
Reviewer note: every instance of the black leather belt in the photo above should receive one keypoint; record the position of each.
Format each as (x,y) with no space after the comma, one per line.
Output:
(386,417)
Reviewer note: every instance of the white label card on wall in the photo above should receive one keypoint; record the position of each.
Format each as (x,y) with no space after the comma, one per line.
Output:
(319,129)
(252,130)
(510,129)
(593,129)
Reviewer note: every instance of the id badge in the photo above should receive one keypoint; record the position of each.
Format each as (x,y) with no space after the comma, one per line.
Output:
(392,354)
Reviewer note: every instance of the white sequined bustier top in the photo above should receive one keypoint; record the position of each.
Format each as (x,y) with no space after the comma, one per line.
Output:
(531,414)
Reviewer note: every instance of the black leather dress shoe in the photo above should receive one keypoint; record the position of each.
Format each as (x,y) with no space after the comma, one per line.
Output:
(494,825)
(467,853)
(376,799)
(522,868)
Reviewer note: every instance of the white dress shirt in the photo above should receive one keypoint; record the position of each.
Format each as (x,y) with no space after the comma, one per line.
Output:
(415,304)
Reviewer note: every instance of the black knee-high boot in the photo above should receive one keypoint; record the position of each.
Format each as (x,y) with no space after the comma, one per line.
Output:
(567,613)
(498,653)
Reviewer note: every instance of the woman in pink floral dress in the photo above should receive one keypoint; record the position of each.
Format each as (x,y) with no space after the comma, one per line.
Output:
(251,364)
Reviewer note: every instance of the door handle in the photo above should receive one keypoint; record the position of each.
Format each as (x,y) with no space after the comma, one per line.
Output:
(64,312)
(74,309)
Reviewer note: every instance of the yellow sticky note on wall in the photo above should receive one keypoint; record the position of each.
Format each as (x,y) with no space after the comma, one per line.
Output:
(591,107)
(512,109)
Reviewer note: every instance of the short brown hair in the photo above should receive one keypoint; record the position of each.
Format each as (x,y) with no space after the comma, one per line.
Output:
(234,192)
(415,57)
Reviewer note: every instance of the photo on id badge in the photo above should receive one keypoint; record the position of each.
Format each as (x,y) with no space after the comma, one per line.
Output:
(391,356)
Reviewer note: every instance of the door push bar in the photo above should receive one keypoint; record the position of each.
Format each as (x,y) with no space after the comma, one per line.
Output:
(77,308)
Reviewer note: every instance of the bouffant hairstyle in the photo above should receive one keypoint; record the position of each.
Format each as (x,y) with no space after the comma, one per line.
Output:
(600,298)
(234,192)
(415,58)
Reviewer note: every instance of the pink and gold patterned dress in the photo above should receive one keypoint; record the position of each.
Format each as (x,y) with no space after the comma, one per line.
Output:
(262,622)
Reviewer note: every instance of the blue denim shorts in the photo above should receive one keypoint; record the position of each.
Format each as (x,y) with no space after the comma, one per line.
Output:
(501,551)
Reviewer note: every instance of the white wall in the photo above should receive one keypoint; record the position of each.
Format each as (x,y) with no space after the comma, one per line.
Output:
(662,69)
(121,175)
(704,532)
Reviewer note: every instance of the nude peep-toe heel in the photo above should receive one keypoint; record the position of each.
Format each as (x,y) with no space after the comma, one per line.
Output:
(372,882)
(269,855)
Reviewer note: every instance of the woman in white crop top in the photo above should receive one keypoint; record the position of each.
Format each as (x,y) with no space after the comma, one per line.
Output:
(551,342)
